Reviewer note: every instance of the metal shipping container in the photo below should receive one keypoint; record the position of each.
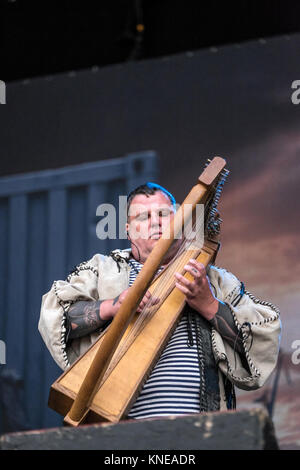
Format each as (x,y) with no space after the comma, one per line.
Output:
(48,225)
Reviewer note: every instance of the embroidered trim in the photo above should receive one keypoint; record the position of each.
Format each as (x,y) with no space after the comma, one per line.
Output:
(63,336)
(123,254)
(268,304)
(237,290)
(65,306)
(82,267)
(119,257)
(241,328)
(238,298)
(222,356)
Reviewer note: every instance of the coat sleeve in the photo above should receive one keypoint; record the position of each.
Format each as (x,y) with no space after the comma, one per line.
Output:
(259,326)
(81,284)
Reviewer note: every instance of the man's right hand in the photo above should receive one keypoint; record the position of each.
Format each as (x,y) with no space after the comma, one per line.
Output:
(84,317)
(109,308)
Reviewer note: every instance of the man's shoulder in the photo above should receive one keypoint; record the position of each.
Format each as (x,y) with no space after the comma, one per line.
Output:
(120,254)
(117,254)
(100,265)
(223,278)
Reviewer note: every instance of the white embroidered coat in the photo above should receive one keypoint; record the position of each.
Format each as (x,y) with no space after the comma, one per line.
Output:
(103,278)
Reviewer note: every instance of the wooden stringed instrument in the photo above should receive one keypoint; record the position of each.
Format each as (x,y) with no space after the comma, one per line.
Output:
(104,382)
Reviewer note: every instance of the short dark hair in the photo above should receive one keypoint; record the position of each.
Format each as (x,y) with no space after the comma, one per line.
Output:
(148,189)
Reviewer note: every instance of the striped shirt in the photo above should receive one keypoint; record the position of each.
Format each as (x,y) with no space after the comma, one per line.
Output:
(173,386)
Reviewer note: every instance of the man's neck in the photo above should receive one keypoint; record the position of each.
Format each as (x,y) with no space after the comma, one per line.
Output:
(142,258)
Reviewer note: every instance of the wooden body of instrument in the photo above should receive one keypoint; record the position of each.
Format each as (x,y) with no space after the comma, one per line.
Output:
(103,383)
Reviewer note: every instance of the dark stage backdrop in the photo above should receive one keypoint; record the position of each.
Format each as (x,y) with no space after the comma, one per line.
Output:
(235,101)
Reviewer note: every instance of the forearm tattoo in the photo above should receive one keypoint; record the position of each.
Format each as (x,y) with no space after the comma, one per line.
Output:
(223,322)
(84,317)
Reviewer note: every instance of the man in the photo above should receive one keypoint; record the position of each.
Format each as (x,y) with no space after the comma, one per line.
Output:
(225,338)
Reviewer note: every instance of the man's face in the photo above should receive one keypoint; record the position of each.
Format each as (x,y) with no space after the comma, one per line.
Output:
(148,217)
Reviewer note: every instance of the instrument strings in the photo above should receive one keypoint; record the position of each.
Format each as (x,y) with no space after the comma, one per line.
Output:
(190,247)
(192,243)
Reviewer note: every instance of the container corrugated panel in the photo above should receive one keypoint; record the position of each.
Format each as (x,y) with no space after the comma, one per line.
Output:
(48,225)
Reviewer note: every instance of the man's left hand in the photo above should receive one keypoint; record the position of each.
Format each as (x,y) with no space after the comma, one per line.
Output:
(198,292)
